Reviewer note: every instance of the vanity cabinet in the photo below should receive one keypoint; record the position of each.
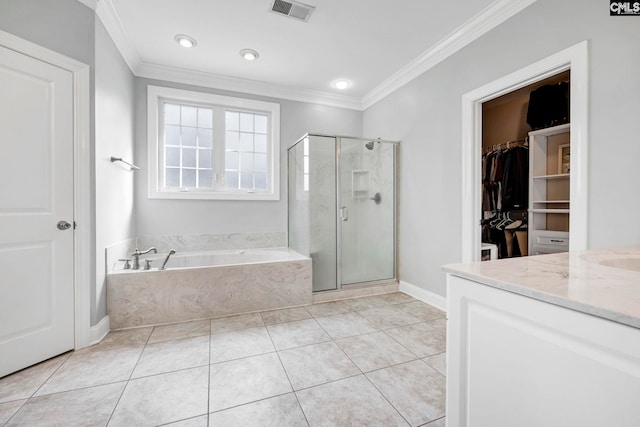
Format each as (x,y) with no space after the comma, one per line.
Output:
(514,360)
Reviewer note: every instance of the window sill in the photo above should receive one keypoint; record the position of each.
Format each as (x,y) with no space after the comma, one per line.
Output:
(211,195)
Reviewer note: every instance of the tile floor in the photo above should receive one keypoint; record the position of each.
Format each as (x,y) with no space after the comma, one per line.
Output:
(370,361)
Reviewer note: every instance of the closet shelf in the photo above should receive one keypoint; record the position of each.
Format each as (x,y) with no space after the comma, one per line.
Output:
(554,176)
(560,211)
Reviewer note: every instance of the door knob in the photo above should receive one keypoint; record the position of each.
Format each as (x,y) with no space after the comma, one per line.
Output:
(63,225)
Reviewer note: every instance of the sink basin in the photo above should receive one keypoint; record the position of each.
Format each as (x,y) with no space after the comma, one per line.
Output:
(623,263)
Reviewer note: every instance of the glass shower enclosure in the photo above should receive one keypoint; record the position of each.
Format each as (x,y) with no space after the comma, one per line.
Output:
(342,209)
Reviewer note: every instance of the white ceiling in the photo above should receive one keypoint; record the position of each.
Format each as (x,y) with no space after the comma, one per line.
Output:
(376,44)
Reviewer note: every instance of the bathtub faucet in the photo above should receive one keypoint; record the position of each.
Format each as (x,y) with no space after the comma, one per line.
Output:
(166,260)
(136,256)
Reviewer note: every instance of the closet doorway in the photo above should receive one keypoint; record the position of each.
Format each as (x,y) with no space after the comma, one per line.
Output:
(572,60)
(516,211)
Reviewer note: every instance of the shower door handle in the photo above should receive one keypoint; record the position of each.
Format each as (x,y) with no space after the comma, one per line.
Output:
(344,213)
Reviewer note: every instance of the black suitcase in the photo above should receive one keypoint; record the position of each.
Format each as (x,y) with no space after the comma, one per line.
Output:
(548,106)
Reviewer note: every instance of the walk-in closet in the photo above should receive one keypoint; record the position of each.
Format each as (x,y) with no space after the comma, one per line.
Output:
(526,161)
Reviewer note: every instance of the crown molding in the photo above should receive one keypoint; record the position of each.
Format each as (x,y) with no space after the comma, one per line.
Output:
(489,18)
(234,84)
(106,11)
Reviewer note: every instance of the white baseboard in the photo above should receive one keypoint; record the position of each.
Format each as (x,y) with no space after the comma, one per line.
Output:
(99,331)
(424,295)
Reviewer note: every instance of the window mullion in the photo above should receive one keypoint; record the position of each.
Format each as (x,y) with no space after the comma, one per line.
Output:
(218,146)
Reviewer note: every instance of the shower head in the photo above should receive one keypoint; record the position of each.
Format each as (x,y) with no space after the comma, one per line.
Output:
(369,145)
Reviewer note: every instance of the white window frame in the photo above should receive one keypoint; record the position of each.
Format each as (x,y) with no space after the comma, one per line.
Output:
(158,94)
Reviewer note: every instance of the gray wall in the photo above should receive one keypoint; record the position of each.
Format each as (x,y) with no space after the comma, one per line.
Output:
(65,26)
(426,116)
(162,217)
(114,131)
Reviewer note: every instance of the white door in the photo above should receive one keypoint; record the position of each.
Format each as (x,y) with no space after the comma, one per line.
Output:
(36,193)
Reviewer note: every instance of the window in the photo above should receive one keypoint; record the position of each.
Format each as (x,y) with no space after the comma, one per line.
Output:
(206,146)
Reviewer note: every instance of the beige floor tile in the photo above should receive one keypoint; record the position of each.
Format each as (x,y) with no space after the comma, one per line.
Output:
(387,317)
(438,362)
(243,343)
(8,409)
(350,402)
(421,311)
(173,355)
(374,351)
(316,364)
(285,315)
(92,368)
(437,423)
(440,324)
(397,298)
(415,389)
(130,338)
(279,411)
(162,399)
(296,334)
(364,303)
(421,338)
(24,383)
(329,308)
(180,331)
(86,407)
(246,380)
(200,421)
(235,323)
(345,325)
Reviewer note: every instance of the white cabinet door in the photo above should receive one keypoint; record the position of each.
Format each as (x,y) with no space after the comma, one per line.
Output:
(517,361)
(36,192)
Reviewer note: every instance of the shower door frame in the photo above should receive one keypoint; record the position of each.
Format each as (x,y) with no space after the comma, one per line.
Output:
(339,281)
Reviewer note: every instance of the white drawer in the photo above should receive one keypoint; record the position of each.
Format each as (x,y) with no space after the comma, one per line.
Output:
(552,240)
(548,249)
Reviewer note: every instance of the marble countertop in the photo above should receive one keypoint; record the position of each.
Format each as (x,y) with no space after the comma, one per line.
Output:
(603,283)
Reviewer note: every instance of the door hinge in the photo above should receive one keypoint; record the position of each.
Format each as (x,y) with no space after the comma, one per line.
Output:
(74,225)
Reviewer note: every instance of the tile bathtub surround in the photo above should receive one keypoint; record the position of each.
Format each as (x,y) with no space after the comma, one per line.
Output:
(308,366)
(213,242)
(157,297)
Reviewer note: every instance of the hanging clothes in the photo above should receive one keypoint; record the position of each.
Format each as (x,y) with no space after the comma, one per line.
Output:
(505,182)
(515,179)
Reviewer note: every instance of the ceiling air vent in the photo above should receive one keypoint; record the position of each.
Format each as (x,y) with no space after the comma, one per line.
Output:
(292,9)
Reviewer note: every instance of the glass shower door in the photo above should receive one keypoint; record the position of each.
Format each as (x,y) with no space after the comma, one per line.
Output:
(366,210)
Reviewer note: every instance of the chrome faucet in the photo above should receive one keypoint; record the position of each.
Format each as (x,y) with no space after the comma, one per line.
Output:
(166,260)
(136,256)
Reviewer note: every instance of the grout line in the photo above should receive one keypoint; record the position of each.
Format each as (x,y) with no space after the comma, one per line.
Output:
(293,390)
(130,374)
(70,353)
(209,377)
(388,401)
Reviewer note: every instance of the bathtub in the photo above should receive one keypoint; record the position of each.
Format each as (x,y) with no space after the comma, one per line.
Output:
(207,284)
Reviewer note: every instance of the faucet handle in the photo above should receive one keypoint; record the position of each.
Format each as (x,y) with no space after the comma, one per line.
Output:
(147,264)
(127,263)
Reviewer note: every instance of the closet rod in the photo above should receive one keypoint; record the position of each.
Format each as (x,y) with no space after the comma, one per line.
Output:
(523,142)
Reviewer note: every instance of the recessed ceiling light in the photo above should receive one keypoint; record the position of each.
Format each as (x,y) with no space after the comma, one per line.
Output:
(341,84)
(249,54)
(185,40)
